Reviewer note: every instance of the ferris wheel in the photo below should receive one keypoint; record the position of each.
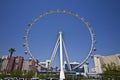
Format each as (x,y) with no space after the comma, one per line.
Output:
(77,16)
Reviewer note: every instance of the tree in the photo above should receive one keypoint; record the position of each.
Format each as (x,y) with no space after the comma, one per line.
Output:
(2,76)
(111,71)
(69,77)
(11,50)
(56,68)
(42,76)
(17,73)
(29,74)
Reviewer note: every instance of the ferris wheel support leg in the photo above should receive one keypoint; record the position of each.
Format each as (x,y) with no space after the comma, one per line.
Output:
(67,58)
(62,75)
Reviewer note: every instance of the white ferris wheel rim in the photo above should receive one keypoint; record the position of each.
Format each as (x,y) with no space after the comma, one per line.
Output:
(77,16)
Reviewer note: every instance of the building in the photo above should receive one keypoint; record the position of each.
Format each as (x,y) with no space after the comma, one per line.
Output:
(26,65)
(10,65)
(101,60)
(33,66)
(4,57)
(86,69)
(45,64)
(29,65)
(74,64)
(17,63)
(4,61)
(4,64)
(83,70)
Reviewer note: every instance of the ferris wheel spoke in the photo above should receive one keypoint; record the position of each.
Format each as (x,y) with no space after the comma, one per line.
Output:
(54,52)
(67,58)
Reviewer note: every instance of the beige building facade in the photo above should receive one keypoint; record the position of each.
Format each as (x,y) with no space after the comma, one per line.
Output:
(100,60)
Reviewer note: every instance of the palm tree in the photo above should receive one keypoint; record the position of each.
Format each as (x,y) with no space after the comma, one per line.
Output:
(56,68)
(11,50)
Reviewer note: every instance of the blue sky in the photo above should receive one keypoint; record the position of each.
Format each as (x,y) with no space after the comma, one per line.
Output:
(103,16)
